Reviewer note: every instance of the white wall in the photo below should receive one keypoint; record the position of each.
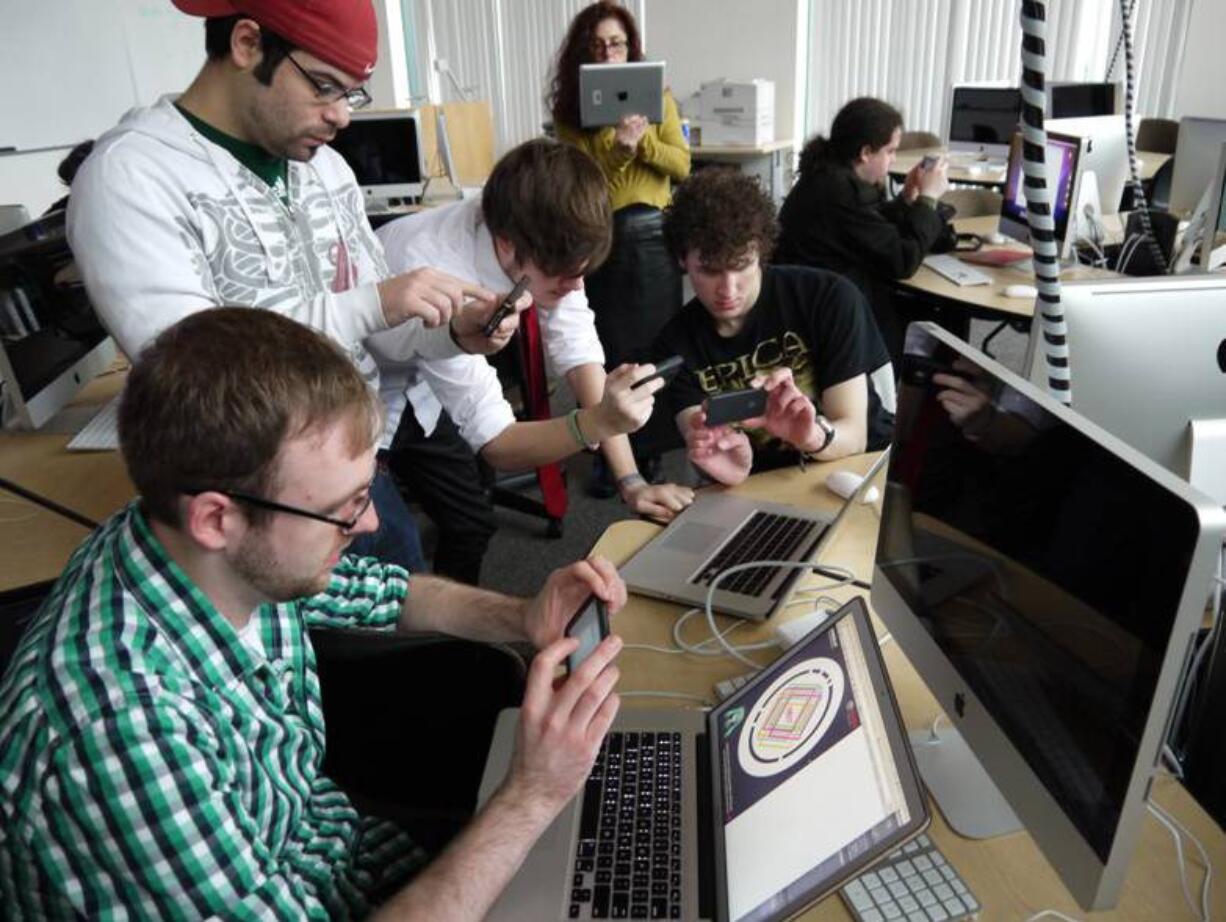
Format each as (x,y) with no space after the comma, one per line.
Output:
(30,180)
(1201,79)
(703,40)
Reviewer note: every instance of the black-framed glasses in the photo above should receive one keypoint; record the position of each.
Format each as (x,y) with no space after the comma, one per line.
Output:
(345,525)
(329,92)
(614,44)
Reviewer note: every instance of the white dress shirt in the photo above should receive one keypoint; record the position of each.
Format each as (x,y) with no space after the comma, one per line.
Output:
(455,240)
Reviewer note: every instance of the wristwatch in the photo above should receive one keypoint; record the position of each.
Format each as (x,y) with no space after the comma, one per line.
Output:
(828,434)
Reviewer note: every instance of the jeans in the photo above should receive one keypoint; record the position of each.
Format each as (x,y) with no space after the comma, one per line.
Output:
(397,539)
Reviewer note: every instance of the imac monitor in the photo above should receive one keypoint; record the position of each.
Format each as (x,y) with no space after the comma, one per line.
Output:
(1147,357)
(1046,581)
(607,92)
(1104,153)
(1213,244)
(1196,151)
(982,119)
(1079,100)
(384,151)
(1063,171)
(51,341)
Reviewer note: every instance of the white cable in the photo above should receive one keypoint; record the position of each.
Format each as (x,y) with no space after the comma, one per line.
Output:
(846,576)
(663,694)
(1174,827)
(1055,913)
(702,647)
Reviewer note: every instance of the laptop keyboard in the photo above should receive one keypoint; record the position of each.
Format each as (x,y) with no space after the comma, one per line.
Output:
(766,536)
(915,884)
(628,858)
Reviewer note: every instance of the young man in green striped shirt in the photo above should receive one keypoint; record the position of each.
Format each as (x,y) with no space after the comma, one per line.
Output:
(161,732)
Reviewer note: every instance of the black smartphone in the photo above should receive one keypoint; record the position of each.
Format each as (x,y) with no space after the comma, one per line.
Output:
(733,406)
(929,161)
(591,625)
(665,370)
(505,307)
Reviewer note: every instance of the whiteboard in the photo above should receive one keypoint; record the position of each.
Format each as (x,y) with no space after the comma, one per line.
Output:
(70,68)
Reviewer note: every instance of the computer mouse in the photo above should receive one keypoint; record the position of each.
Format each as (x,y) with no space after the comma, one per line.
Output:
(1020,291)
(845,483)
(996,238)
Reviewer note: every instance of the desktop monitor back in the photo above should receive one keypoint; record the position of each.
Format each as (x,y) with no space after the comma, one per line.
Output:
(51,341)
(384,151)
(1196,152)
(1046,581)
(1104,153)
(1063,162)
(1147,357)
(983,117)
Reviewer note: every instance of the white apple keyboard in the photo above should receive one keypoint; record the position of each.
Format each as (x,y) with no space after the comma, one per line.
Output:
(916,884)
(101,433)
(956,270)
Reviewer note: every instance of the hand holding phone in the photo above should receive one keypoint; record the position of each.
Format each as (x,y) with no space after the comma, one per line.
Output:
(664,370)
(505,307)
(734,406)
(929,161)
(590,625)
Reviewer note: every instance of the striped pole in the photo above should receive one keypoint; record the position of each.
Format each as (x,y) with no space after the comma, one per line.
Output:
(1039,200)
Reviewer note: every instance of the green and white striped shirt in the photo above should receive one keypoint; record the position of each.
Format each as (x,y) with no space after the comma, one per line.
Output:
(155,766)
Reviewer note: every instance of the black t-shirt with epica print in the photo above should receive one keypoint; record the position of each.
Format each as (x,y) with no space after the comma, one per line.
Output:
(809,320)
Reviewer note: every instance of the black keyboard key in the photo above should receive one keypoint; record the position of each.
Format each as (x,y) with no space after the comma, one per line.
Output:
(600,902)
(659,909)
(620,906)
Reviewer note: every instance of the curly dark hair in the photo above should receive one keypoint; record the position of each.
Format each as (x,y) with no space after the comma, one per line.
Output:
(720,212)
(563,98)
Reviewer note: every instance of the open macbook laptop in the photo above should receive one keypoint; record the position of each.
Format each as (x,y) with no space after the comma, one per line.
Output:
(720,530)
(750,811)
(607,92)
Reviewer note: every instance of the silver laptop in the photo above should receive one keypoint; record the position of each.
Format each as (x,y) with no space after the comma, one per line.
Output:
(607,92)
(720,530)
(750,811)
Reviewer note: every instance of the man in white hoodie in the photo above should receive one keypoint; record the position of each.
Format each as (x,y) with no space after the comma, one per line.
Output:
(229,195)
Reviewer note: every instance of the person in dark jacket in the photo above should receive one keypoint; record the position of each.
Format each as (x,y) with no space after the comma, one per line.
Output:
(837,217)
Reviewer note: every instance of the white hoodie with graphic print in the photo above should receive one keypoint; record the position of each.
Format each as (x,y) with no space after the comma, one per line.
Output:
(163,223)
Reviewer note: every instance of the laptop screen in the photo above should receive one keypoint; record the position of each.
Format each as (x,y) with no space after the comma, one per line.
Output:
(815,776)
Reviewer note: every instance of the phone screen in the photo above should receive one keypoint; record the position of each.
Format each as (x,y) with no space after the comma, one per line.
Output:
(590,625)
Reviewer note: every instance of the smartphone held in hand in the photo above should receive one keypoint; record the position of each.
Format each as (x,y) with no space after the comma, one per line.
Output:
(734,406)
(590,625)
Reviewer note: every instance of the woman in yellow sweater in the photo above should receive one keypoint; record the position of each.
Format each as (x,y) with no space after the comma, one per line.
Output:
(638,288)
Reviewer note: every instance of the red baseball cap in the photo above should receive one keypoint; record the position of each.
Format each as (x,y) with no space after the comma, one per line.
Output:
(344,33)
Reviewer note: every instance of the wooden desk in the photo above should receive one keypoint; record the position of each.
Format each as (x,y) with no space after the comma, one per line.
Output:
(968,173)
(36,541)
(1009,874)
(770,162)
(961,170)
(989,300)
(92,483)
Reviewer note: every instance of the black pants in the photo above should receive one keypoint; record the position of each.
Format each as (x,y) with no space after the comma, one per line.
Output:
(633,294)
(440,472)
(409,722)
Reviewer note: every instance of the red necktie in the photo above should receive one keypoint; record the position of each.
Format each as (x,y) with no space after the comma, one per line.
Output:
(536,404)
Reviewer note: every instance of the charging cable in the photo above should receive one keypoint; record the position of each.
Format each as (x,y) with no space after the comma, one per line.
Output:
(1178,831)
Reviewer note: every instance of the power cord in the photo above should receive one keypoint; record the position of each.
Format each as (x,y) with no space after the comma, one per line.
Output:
(1175,828)
(844,576)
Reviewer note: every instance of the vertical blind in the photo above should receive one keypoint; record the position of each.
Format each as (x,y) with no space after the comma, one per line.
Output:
(499,50)
(911,52)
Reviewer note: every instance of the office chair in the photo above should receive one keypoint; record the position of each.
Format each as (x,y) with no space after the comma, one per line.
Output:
(973,202)
(1158,135)
(913,140)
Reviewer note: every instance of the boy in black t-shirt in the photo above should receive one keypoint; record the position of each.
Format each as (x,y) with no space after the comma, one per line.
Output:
(805,335)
